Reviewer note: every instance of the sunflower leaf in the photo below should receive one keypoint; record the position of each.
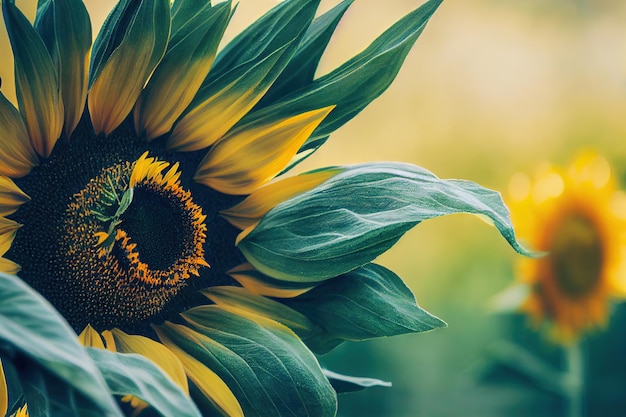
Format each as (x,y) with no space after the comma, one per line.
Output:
(353,217)
(31,329)
(344,383)
(366,303)
(301,68)
(132,374)
(356,83)
(268,368)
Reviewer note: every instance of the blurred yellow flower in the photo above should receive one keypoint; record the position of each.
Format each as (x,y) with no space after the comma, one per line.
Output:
(578,217)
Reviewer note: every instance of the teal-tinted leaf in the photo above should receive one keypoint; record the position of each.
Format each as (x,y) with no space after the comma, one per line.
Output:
(357,215)
(65,28)
(35,81)
(301,68)
(366,303)
(352,86)
(131,374)
(282,25)
(344,383)
(270,371)
(31,328)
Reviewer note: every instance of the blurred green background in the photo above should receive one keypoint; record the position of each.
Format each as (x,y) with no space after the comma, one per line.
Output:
(491,88)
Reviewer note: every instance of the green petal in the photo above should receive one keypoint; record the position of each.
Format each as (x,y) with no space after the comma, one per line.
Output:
(184,67)
(17,155)
(65,27)
(301,69)
(32,329)
(357,215)
(268,368)
(243,72)
(352,86)
(35,81)
(131,374)
(120,68)
(366,303)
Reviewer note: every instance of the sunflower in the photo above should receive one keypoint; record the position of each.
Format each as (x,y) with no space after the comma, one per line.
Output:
(576,215)
(147,193)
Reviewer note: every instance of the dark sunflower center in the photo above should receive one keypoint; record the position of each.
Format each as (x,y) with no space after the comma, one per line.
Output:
(107,263)
(152,221)
(577,256)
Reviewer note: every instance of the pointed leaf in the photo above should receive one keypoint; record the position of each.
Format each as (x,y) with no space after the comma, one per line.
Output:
(344,383)
(35,81)
(65,28)
(265,364)
(355,84)
(301,69)
(357,215)
(132,374)
(184,67)
(366,303)
(242,74)
(127,50)
(31,327)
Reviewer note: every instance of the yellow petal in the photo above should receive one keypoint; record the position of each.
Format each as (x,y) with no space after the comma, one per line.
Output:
(9,267)
(243,299)
(119,82)
(8,226)
(154,351)
(251,156)
(257,204)
(7,74)
(180,74)
(210,119)
(17,155)
(36,82)
(257,283)
(207,381)
(11,197)
(6,238)
(91,338)
(4,394)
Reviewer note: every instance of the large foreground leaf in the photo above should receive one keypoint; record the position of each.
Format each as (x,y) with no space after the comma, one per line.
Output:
(268,368)
(34,333)
(357,215)
(131,374)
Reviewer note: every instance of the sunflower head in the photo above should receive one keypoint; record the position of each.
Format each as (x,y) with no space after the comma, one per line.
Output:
(148,193)
(578,217)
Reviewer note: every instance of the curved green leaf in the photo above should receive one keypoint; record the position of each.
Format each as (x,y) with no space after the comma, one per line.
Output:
(267,367)
(131,374)
(353,217)
(30,327)
(366,303)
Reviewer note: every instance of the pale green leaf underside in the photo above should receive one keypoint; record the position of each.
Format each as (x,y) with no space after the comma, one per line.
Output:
(357,215)
(131,374)
(30,326)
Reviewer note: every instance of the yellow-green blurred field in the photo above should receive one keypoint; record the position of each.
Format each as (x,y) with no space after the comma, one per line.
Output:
(492,87)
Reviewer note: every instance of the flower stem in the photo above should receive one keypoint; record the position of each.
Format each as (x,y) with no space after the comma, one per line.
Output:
(574,383)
